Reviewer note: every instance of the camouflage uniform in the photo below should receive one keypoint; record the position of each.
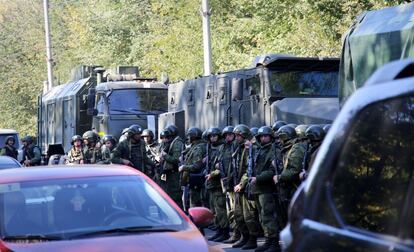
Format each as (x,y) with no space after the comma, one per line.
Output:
(74,156)
(32,153)
(135,152)
(9,150)
(170,177)
(193,166)
(92,154)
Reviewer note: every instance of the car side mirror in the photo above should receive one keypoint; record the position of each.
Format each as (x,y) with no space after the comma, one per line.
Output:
(237,89)
(202,217)
(91,102)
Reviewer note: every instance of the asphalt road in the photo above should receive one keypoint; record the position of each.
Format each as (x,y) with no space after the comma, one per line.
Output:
(227,247)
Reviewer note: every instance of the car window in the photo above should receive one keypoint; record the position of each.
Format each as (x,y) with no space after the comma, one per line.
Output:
(72,206)
(375,167)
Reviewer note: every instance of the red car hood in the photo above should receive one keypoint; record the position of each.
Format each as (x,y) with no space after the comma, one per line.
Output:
(182,241)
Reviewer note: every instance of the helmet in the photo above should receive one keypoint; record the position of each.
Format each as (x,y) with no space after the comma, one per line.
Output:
(315,133)
(90,136)
(213,131)
(286,133)
(173,129)
(242,130)
(107,138)
(300,130)
(194,133)
(125,131)
(148,132)
(75,138)
(254,130)
(227,129)
(293,125)
(135,129)
(9,138)
(265,130)
(28,139)
(204,136)
(165,133)
(326,128)
(276,125)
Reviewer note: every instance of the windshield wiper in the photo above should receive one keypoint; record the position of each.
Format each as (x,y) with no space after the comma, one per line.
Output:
(32,237)
(137,229)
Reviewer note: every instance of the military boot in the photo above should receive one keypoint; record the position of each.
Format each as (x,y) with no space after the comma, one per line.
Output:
(235,237)
(251,243)
(265,246)
(216,235)
(224,235)
(242,241)
(274,245)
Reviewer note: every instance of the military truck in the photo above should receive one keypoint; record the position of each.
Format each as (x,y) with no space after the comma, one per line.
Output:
(276,87)
(105,103)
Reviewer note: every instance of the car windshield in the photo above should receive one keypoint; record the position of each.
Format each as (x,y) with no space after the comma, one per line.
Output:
(73,208)
(304,83)
(142,101)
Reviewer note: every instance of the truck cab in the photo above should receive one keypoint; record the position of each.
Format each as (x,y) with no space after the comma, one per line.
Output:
(359,195)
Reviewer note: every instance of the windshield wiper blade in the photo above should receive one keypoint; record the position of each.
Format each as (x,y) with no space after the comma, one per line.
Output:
(32,237)
(137,229)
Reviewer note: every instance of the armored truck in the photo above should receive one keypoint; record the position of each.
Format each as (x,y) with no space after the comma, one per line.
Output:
(276,87)
(103,103)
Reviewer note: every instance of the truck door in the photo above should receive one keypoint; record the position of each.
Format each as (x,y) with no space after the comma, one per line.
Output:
(68,123)
(50,123)
(223,107)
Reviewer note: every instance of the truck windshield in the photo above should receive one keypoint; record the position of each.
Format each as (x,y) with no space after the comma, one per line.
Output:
(138,101)
(304,83)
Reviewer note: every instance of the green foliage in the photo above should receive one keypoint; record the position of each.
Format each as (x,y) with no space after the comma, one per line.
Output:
(163,36)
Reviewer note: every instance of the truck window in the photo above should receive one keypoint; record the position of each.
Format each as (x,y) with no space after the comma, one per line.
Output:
(304,83)
(138,101)
(375,167)
(100,104)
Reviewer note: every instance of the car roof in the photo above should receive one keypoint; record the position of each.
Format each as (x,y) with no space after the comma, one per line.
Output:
(6,160)
(37,173)
(7,131)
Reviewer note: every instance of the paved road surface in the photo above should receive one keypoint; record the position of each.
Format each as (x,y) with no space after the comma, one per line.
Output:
(227,247)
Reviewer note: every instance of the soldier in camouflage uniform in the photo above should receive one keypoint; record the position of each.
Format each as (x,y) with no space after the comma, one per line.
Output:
(191,170)
(9,149)
(170,149)
(315,135)
(214,187)
(132,152)
(109,144)
(293,152)
(245,212)
(91,153)
(75,154)
(262,187)
(31,152)
(151,145)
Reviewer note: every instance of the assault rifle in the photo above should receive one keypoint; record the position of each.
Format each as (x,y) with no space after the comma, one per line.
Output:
(250,171)
(184,187)
(224,183)
(235,173)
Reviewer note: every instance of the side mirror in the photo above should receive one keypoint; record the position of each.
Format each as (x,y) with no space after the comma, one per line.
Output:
(91,102)
(237,89)
(202,217)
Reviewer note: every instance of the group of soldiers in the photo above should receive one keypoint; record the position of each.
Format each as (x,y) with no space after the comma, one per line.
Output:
(31,152)
(245,176)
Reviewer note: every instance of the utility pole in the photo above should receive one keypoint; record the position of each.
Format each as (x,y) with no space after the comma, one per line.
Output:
(48,46)
(205,13)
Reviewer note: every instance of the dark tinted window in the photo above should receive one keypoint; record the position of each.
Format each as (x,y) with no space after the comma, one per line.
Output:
(138,101)
(301,83)
(253,85)
(375,167)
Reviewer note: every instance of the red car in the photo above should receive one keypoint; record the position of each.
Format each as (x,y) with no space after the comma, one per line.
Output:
(93,208)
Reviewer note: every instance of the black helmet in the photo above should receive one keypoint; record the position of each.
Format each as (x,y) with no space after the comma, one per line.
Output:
(107,138)
(126,130)
(147,132)
(173,129)
(227,129)
(326,128)
(135,129)
(286,133)
(10,138)
(254,131)
(265,130)
(165,133)
(213,131)
(75,138)
(301,129)
(315,133)
(242,130)
(204,136)
(293,125)
(28,139)
(276,125)
(90,136)
(194,133)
